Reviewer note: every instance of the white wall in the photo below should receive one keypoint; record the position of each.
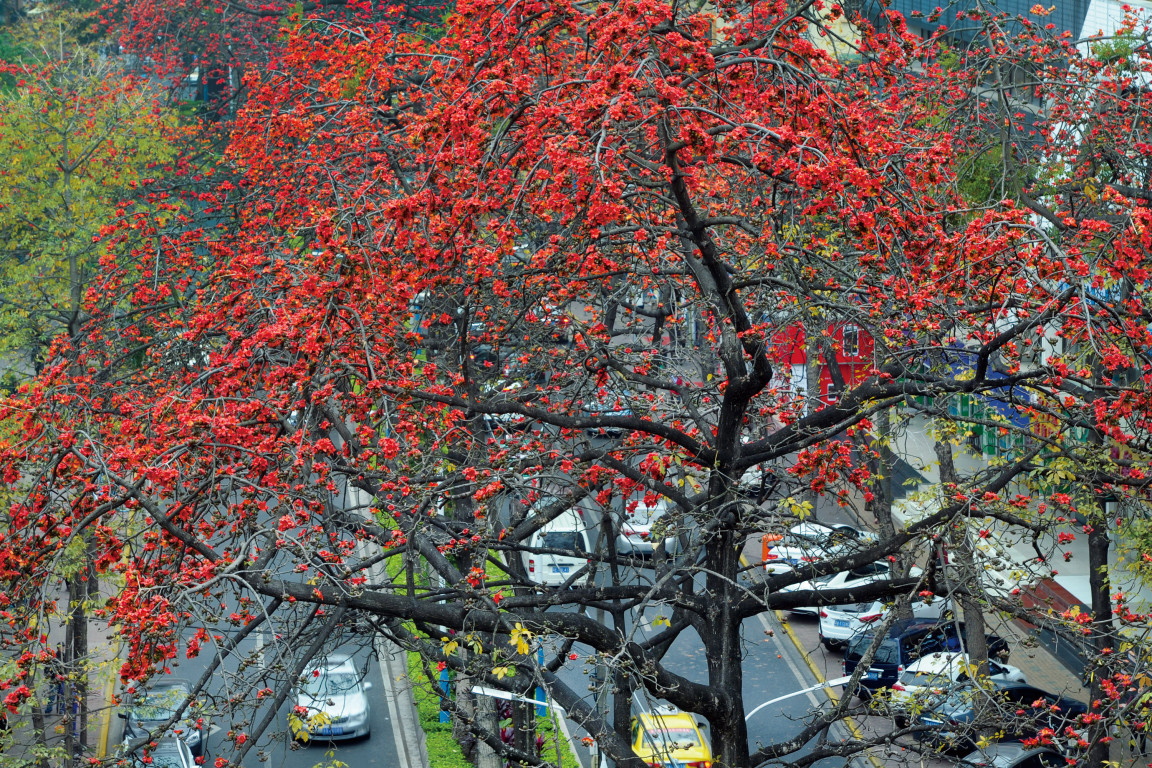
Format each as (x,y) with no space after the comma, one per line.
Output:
(1105,15)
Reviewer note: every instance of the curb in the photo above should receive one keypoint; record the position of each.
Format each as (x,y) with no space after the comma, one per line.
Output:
(832,696)
(853,729)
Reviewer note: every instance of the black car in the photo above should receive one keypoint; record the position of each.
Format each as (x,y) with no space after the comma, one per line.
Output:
(1017,710)
(151,708)
(907,640)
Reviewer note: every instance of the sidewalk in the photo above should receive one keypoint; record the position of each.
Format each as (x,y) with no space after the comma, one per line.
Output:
(61,721)
(1062,578)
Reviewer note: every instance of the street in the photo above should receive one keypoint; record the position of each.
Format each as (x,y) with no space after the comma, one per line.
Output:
(773,666)
(275,746)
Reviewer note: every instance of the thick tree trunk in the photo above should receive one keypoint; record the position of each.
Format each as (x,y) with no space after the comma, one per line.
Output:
(486,757)
(967,573)
(524,726)
(725,653)
(883,498)
(1102,629)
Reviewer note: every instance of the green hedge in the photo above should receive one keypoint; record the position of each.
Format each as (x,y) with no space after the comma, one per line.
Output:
(443,750)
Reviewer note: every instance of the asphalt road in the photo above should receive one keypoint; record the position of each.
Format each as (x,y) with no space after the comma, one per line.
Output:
(277,749)
(772,667)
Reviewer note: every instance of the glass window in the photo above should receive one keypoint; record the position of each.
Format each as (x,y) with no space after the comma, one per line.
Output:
(851,341)
(322,684)
(570,540)
(872,569)
(925,679)
(159,705)
(674,737)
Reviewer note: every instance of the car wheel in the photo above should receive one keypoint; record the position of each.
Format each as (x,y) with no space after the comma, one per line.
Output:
(901,721)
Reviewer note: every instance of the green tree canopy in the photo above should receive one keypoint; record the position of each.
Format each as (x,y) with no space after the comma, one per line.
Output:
(79,137)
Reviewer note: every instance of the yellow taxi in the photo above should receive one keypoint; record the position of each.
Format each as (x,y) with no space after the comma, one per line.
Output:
(669,737)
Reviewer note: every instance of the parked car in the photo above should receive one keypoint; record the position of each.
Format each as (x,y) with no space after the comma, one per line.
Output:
(606,404)
(833,536)
(857,577)
(150,708)
(1018,710)
(567,534)
(755,483)
(170,752)
(1007,754)
(906,641)
(808,542)
(668,737)
(334,688)
(934,676)
(840,623)
(636,527)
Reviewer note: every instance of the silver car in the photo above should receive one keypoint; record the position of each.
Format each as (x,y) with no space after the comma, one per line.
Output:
(332,699)
(170,752)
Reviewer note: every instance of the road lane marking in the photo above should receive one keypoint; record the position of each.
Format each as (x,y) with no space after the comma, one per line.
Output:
(847,723)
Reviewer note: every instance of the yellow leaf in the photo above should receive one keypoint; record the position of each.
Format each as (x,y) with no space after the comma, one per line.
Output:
(522,639)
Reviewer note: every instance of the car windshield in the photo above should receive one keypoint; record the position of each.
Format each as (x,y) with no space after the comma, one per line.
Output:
(887,653)
(926,679)
(571,540)
(959,699)
(853,608)
(673,737)
(321,684)
(159,705)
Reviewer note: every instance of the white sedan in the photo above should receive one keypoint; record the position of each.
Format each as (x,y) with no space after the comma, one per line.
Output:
(857,577)
(936,675)
(635,537)
(841,623)
(331,702)
(808,542)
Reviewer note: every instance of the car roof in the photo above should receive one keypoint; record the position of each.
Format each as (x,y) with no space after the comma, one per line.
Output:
(1012,685)
(170,746)
(940,661)
(1002,753)
(908,626)
(667,718)
(333,662)
(163,683)
(809,528)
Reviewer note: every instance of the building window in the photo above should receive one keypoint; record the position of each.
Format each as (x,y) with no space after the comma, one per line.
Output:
(851,341)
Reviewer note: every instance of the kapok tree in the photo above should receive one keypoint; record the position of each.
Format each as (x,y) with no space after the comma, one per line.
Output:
(537,265)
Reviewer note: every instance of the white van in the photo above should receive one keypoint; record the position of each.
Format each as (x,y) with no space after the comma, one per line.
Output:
(567,532)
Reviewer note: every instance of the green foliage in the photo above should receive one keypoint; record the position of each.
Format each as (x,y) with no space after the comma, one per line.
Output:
(78,138)
(948,60)
(443,750)
(1117,49)
(981,177)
